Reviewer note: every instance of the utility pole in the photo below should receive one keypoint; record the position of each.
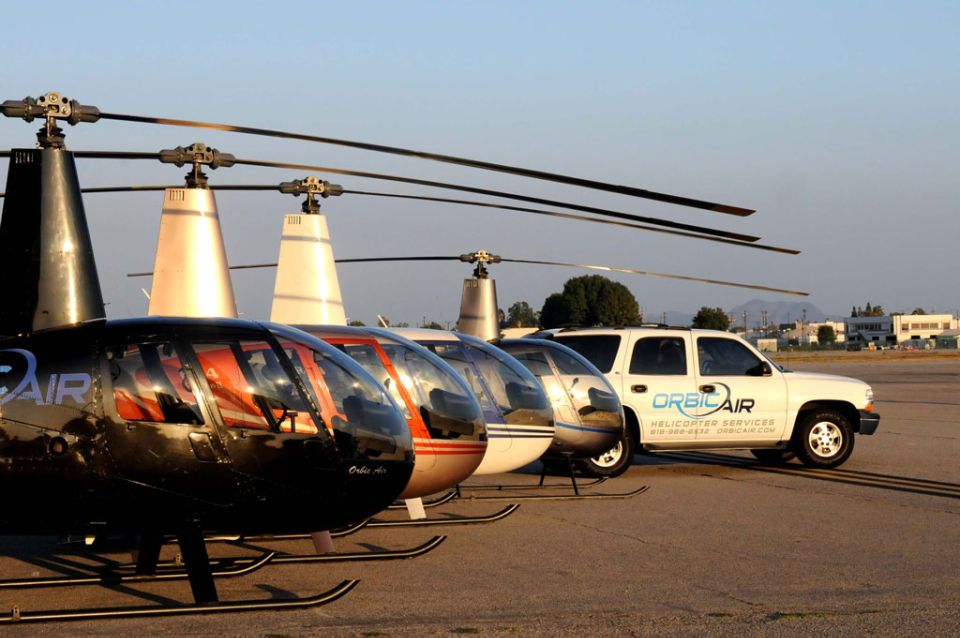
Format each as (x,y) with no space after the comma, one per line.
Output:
(803,330)
(744,315)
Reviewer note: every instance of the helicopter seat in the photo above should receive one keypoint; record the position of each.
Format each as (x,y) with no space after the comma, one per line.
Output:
(521,397)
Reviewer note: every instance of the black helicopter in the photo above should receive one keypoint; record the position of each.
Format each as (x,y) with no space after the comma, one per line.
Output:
(167,426)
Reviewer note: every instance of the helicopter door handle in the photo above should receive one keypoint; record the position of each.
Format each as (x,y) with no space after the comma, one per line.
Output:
(708,389)
(200,442)
(638,389)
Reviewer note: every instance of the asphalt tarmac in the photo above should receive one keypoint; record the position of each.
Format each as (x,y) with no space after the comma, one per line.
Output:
(719,545)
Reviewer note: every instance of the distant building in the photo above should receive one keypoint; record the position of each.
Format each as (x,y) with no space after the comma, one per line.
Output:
(949,339)
(808,333)
(866,330)
(766,344)
(920,327)
(911,330)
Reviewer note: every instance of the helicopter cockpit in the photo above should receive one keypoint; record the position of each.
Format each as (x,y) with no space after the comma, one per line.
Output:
(588,412)
(443,415)
(253,386)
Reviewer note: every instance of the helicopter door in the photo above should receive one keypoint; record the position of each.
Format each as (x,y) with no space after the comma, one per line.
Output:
(269,429)
(557,386)
(159,428)
(455,354)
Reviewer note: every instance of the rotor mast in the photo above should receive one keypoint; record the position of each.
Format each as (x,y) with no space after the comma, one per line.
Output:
(45,247)
(191,274)
(307,289)
(478,302)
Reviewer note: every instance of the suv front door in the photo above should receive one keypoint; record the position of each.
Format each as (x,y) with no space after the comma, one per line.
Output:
(746,395)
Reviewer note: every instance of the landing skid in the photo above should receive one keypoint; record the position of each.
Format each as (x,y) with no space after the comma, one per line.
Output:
(560,497)
(539,486)
(459,520)
(576,496)
(222,568)
(17,615)
(197,570)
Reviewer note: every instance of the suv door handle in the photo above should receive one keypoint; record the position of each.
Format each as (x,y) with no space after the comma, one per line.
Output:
(638,389)
(708,389)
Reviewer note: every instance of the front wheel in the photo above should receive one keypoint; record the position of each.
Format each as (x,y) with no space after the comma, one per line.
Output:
(613,462)
(824,438)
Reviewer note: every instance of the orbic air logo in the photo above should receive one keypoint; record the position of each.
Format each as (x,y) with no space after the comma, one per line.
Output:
(698,405)
(18,370)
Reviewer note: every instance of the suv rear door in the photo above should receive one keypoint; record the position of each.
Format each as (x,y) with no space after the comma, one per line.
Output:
(659,385)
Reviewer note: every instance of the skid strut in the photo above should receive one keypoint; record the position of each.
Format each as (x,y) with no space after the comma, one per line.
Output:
(446,498)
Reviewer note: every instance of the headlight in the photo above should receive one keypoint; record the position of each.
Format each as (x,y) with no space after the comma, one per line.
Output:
(868,395)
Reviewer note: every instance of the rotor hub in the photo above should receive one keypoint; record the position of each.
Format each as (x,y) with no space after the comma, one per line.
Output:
(197,155)
(52,107)
(481,258)
(311,186)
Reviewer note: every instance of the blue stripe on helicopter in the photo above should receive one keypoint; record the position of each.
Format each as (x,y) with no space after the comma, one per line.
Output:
(584,428)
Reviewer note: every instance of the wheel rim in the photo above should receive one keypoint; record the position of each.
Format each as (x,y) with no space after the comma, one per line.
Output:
(825,439)
(610,457)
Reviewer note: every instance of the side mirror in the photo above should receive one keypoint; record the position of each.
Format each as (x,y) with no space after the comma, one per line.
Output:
(760,370)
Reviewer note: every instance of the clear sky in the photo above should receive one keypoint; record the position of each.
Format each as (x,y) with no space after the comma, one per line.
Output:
(837,121)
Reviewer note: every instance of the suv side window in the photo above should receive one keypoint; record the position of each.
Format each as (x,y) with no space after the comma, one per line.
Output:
(600,350)
(727,357)
(659,355)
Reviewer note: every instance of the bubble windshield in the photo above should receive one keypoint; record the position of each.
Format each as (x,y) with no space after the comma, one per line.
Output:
(505,388)
(364,420)
(445,402)
(576,389)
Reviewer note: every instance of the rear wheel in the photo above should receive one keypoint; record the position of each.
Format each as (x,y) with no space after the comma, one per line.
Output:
(823,438)
(613,462)
(772,456)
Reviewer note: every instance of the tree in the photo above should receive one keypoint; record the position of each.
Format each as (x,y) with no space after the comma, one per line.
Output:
(590,300)
(521,315)
(853,311)
(554,313)
(918,311)
(356,322)
(432,325)
(826,335)
(711,319)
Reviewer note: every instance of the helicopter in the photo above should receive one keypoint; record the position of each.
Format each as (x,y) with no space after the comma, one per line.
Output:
(166,426)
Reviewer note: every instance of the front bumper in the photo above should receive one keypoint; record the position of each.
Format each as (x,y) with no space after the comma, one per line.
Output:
(869,422)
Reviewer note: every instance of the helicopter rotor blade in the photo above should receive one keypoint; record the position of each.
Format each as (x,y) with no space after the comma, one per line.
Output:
(464,202)
(650,273)
(126,155)
(573,216)
(542,262)
(448,159)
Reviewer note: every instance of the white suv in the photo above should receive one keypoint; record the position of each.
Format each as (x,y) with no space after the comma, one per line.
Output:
(685,389)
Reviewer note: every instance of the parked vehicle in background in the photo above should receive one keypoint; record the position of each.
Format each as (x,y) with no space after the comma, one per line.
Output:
(686,389)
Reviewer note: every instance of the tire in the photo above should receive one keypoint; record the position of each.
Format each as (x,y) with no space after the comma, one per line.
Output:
(613,462)
(771,456)
(824,438)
